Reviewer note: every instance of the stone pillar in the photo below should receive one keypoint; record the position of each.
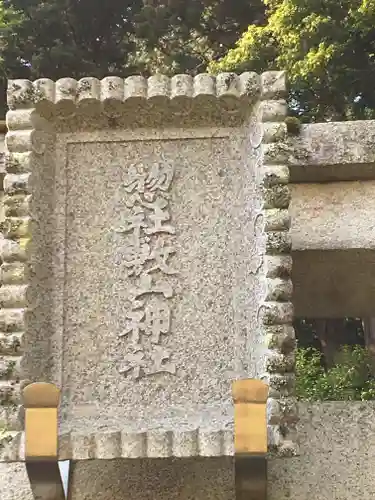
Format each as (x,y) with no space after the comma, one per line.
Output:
(159,265)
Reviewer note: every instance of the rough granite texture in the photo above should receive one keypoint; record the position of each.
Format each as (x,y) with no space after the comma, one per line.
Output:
(206,350)
(333,216)
(214,260)
(336,463)
(328,152)
(146,259)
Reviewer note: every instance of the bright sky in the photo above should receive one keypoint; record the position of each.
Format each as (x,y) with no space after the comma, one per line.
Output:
(64,471)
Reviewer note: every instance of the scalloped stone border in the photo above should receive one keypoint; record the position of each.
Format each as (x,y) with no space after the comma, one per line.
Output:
(117,444)
(276,312)
(26,142)
(68,93)
(15,251)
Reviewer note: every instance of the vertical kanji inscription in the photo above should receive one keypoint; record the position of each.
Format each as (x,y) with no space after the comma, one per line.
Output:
(148,253)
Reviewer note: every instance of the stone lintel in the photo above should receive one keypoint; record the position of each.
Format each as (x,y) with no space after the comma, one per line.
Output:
(337,151)
(333,216)
(333,249)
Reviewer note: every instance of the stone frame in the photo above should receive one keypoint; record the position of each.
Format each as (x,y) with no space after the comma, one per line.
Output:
(35,109)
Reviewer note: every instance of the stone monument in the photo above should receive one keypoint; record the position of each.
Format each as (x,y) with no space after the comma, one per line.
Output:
(147,260)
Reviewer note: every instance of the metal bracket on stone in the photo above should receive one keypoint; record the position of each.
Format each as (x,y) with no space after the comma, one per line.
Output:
(41,401)
(250,439)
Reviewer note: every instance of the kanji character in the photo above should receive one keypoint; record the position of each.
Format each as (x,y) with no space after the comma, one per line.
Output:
(135,326)
(161,254)
(135,258)
(161,363)
(135,362)
(160,177)
(135,178)
(159,216)
(157,320)
(135,222)
(146,286)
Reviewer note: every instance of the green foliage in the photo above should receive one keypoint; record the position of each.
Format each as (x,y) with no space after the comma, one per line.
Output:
(59,38)
(350,379)
(175,36)
(327,49)
(69,37)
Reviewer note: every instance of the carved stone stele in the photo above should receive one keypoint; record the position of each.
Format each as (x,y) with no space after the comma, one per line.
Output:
(146,258)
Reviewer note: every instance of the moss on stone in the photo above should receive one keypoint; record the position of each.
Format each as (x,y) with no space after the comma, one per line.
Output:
(293,125)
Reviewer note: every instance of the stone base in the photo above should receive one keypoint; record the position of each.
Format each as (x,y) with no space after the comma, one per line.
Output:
(337,462)
(154,479)
(14,483)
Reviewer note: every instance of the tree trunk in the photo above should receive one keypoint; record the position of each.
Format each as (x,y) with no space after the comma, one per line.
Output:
(330,333)
(369,335)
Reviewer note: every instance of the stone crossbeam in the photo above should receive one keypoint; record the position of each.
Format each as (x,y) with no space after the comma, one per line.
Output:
(333,237)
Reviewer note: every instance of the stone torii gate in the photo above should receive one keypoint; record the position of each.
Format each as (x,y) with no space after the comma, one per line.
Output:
(159,237)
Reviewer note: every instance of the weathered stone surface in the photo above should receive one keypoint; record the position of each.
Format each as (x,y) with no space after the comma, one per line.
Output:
(14,483)
(141,218)
(192,331)
(154,479)
(333,151)
(137,101)
(336,462)
(337,455)
(2,157)
(199,168)
(333,216)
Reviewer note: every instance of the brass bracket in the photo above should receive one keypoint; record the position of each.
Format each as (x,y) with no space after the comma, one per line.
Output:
(41,401)
(250,439)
